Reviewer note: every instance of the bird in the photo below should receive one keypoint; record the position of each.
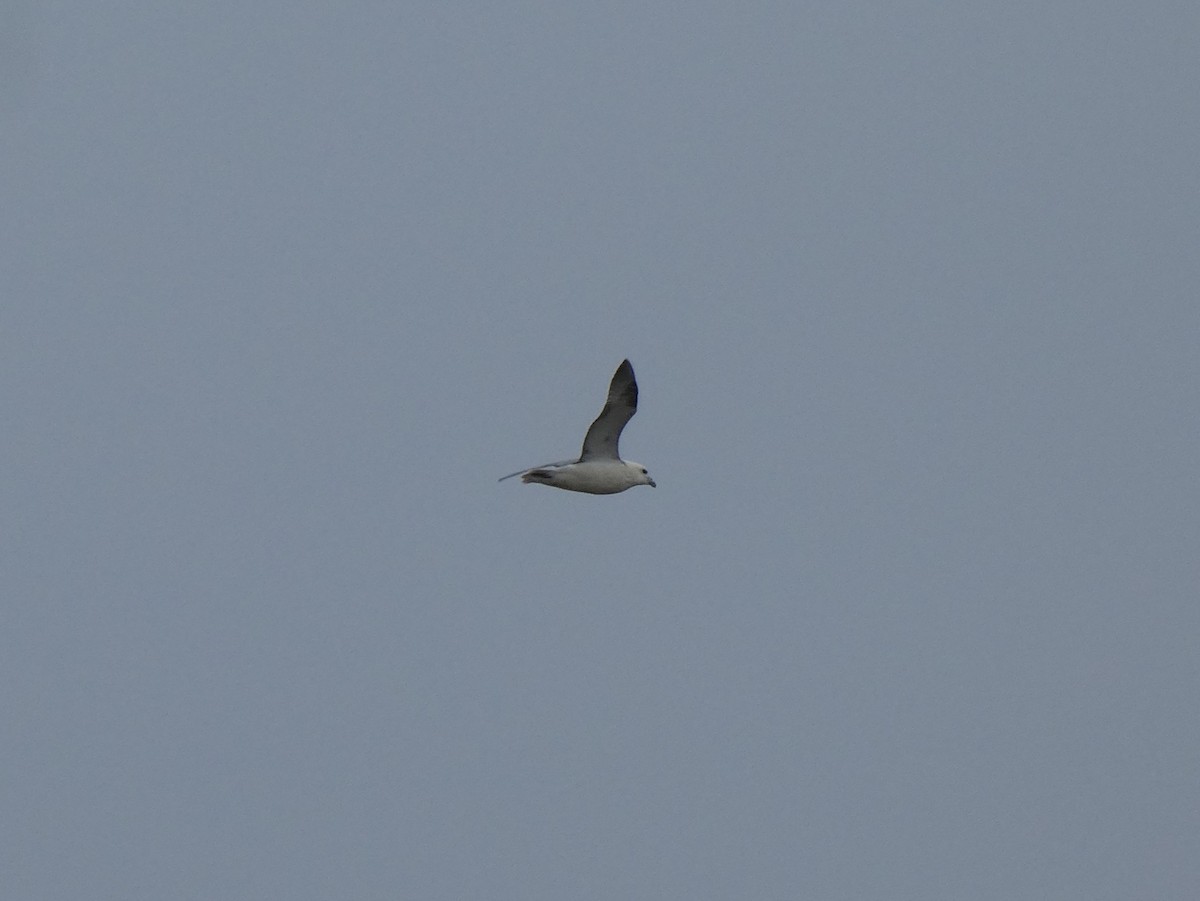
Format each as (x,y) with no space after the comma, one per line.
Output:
(599,469)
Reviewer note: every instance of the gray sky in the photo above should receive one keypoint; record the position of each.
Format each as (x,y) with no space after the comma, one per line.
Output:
(911,292)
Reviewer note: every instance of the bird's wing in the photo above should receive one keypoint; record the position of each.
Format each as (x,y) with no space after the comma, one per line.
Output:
(600,443)
(519,472)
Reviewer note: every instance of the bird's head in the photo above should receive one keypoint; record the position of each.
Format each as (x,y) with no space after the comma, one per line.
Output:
(641,476)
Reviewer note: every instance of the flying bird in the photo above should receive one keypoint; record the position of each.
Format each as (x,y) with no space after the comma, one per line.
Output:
(599,469)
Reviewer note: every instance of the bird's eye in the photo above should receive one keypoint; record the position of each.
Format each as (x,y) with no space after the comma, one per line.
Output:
(644,471)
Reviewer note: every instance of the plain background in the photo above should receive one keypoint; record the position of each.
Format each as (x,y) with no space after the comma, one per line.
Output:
(911,293)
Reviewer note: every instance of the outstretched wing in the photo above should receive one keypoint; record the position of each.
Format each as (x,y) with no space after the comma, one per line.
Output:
(600,443)
(521,472)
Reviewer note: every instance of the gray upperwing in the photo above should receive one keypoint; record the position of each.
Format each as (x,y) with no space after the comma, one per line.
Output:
(600,443)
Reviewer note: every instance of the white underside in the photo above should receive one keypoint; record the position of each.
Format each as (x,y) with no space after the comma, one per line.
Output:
(592,476)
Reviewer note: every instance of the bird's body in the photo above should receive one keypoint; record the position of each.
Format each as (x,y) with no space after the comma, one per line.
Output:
(599,469)
(591,476)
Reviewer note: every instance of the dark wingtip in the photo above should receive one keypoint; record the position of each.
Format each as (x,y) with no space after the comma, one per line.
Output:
(629,391)
(625,373)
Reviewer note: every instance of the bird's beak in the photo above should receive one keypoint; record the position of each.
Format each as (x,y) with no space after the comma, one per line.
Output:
(652,483)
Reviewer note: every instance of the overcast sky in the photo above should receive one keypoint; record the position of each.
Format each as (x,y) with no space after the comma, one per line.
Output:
(911,289)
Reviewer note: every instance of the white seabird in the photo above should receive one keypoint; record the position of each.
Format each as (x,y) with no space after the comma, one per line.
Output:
(599,469)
